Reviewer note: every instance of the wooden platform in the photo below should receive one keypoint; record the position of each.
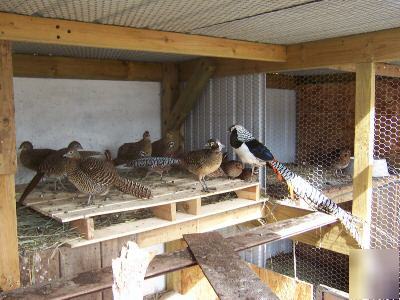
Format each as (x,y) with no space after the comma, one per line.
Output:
(178,200)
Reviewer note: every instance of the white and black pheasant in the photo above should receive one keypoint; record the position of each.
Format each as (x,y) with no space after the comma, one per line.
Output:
(253,152)
(94,176)
(157,165)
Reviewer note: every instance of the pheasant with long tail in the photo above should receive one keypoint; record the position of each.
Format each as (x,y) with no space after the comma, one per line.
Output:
(251,151)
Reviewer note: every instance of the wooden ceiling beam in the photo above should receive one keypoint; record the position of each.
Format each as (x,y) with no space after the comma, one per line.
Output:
(83,68)
(62,32)
(378,46)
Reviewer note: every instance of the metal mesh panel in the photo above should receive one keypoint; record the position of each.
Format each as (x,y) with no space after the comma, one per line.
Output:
(275,21)
(324,128)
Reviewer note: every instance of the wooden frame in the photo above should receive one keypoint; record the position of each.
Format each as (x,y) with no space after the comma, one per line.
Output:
(54,31)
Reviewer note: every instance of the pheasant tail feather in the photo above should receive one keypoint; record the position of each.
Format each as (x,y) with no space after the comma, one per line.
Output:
(317,200)
(133,188)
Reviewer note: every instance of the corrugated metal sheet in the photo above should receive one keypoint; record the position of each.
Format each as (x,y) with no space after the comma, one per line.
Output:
(270,114)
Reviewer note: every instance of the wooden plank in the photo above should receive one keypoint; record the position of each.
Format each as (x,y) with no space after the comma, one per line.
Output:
(85,227)
(169,92)
(9,259)
(284,287)
(332,237)
(229,213)
(165,212)
(54,31)
(8,158)
(191,281)
(252,193)
(189,95)
(364,144)
(169,262)
(381,69)
(84,68)
(327,293)
(192,207)
(379,46)
(39,267)
(227,273)
(67,208)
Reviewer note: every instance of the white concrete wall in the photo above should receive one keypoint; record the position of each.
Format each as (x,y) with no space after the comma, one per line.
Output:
(99,114)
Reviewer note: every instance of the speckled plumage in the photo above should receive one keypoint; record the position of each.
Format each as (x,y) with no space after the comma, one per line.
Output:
(167,146)
(157,165)
(32,158)
(342,162)
(95,176)
(204,162)
(131,151)
(232,168)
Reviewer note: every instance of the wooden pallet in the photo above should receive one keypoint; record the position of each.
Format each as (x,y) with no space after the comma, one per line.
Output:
(176,201)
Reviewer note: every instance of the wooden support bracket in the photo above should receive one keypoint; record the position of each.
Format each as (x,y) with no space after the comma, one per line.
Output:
(85,227)
(165,212)
(191,207)
(203,71)
(251,193)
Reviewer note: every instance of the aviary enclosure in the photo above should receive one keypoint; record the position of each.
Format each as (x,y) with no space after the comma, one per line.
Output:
(324,97)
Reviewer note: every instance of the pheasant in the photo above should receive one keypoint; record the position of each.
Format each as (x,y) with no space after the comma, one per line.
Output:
(53,166)
(167,146)
(232,168)
(32,158)
(131,151)
(247,175)
(157,165)
(204,162)
(251,150)
(342,162)
(94,176)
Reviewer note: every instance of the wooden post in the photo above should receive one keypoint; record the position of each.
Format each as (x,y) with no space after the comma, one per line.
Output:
(363,154)
(9,259)
(169,92)
(364,144)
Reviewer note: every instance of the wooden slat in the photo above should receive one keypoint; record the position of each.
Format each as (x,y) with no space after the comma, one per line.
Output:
(68,208)
(169,92)
(169,262)
(85,227)
(227,273)
(84,68)
(62,32)
(253,210)
(9,260)
(381,69)
(332,237)
(190,93)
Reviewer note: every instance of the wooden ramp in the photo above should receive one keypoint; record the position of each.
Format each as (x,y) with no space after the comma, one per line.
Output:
(228,274)
(176,201)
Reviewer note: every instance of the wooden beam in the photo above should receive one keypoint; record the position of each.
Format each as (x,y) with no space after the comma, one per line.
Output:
(169,262)
(85,227)
(364,144)
(169,92)
(9,259)
(381,69)
(55,31)
(379,46)
(331,237)
(193,89)
(84,68)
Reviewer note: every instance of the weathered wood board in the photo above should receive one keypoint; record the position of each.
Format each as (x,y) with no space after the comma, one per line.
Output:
(228,274)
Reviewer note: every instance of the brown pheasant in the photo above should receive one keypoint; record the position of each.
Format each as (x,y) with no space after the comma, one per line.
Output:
(342,162)
(167,146)
(247,175)
(95,176)
(32,158)
(204,162)
(232,168)
(131,151)
(53,166)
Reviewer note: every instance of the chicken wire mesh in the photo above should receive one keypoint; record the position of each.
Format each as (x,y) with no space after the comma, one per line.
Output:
(324,148)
